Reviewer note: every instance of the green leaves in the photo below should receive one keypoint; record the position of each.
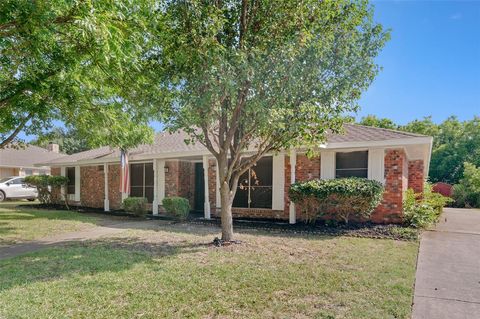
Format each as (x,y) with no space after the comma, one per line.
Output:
(338,198)
(278,72)
(321,189)
(454,142)
(423,210)
(73,61)
(46,186)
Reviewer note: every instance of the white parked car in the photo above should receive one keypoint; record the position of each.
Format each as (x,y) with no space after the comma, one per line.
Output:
(14,187)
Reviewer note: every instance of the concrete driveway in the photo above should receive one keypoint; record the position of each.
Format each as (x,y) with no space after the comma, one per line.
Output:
(447,283)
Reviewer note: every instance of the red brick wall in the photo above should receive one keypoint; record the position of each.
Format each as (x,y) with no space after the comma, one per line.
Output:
(258,213)
(307,169)
(390,209)
(92,186)
(180,179)
(171,179)
(415,175)
(212,184)
(114,194)
(56,193)
(186,181)
(288,171)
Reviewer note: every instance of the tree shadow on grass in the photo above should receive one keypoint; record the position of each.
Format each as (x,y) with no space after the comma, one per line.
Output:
(211,230)
(86,258)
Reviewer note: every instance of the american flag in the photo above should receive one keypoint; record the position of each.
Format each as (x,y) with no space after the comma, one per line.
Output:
(124,173)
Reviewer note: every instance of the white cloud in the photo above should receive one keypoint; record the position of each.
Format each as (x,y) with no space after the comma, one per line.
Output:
(456,16)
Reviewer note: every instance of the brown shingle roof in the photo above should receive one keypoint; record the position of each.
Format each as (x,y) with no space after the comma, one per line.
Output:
(27,157)
(360,133)
(173,143)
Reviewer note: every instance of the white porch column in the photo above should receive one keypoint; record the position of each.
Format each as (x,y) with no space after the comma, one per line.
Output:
(161,180)
(206,205)
(278,182)
(106,202)
(376,165)
(155,188)
(77,183)
(63,172)
(293,164)
(327,166)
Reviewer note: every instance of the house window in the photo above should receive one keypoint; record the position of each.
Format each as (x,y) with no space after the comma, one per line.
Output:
(254,188)
(351,164)
(28,172)
(141,181)
(71,180)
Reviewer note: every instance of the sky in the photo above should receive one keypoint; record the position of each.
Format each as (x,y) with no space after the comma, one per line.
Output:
(431,65)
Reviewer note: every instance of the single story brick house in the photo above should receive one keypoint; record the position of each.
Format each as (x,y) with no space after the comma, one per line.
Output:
(170,167)
(21,161)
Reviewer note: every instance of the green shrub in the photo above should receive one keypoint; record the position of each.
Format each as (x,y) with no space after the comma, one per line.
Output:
(176,207)
(467,192)
(423,210)
(135,205)
(342,198)
(47,186)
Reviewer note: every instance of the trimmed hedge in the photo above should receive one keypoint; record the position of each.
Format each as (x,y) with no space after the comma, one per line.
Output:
(341,198)
(45,184)
(176,207)
(135,205)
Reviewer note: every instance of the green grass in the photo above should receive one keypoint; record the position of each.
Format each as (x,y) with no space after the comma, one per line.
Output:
(20,225)
(171,271)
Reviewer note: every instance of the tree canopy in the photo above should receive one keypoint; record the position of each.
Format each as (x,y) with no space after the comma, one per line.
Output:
(454,142)
(72,61)
(372,120)
(251,77)
(69,140)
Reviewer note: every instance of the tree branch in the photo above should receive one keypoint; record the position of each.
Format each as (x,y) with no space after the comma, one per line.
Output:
(243,23)
(14,134)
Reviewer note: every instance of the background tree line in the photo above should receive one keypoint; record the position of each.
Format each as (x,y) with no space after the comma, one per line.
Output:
(455,143)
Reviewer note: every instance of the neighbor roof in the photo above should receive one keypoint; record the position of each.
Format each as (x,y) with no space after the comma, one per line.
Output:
(27,156)
(166,144)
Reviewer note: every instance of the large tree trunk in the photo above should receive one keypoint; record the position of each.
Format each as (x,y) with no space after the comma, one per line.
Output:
(226,199)
(226,212)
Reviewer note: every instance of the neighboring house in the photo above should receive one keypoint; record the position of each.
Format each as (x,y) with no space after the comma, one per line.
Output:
(170,167)
(21,161)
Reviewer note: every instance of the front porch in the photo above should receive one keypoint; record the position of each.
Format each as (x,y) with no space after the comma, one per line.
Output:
(262,192)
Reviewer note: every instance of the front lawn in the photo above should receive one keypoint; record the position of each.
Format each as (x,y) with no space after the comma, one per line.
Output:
(171,271)
(19,225)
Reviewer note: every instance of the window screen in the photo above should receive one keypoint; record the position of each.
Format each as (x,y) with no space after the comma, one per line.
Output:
(141,181)
(255,186)
(351,164)
(71,180)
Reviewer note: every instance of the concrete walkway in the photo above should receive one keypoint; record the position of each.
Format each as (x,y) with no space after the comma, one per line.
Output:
(447,283)
(88,234)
